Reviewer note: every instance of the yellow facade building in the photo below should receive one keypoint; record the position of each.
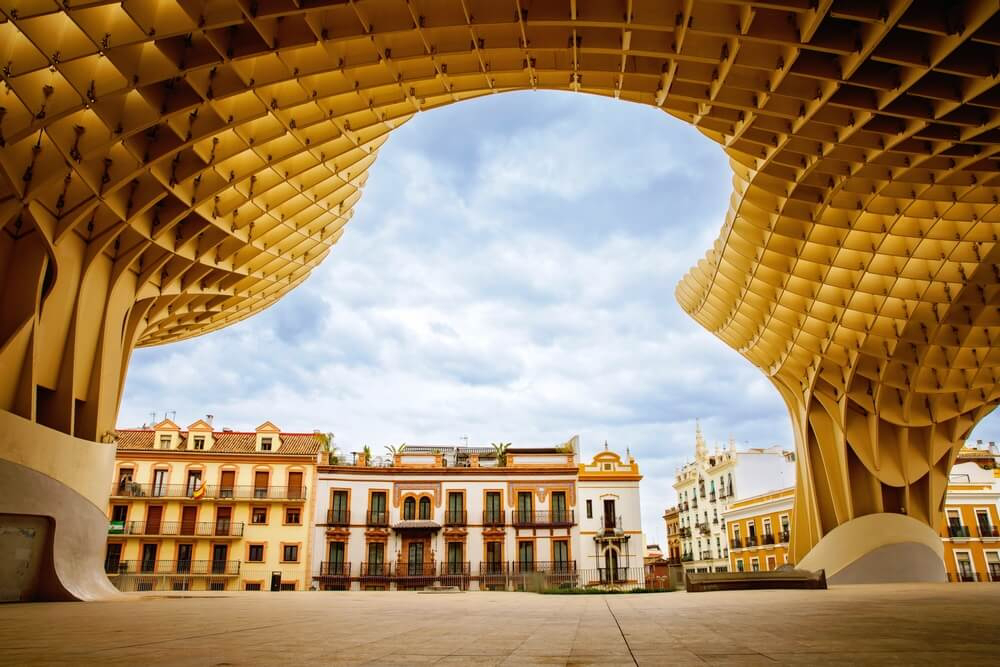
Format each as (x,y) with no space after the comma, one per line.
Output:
(758,528)
(200,509)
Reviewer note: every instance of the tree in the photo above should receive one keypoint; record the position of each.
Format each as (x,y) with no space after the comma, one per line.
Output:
(367,451)
(325,441)
(500,449)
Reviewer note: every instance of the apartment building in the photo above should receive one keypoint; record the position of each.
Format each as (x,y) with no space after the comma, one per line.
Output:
(478,518)
(672,519)
(707,486)
(759,527)
(201,509)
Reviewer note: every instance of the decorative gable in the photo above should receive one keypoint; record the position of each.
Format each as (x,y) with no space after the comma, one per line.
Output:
(268,437)
(166,435)
(200,436)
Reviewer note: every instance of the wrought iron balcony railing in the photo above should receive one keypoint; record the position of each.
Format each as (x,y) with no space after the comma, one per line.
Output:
(988,531)
(178,567)
(544,518)
(375,518)
(376,569)
(955,530)
(751,541)
(494,518)
(767,538)
(736,543)
(455,518)
(546,567)
(783,536)
(211,491)
(334,569)
(178,528)
(338,517)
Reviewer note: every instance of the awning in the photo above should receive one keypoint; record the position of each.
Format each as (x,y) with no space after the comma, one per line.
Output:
(416,524)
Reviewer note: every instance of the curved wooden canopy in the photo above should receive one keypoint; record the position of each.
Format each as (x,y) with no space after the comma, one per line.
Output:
(169,167)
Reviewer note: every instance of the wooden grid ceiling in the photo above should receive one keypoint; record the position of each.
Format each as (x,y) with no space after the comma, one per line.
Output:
(210,153)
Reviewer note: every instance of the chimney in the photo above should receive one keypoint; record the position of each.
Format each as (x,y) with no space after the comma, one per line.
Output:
(209,419)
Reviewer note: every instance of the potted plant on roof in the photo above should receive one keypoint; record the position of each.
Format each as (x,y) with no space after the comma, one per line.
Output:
(366,455)
(500,450)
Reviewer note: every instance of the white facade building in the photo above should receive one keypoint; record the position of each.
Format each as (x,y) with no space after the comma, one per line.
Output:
(464,516)
(707,485)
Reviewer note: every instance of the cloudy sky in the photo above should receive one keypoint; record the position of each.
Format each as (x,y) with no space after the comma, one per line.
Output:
(508,276)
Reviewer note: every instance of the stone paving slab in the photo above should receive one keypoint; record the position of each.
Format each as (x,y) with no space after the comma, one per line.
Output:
(891,624)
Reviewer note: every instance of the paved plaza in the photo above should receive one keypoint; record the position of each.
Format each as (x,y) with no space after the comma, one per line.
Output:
(898,624)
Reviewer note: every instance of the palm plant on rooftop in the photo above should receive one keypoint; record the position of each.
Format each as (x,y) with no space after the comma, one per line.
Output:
(500,450)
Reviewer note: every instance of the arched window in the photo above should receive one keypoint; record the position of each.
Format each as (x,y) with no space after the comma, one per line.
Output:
(409,508)
(425,508)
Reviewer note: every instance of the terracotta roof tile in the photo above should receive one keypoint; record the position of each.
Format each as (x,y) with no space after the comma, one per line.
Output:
(228,442)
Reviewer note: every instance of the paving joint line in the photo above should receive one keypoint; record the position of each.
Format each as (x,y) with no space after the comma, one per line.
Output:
(622,632)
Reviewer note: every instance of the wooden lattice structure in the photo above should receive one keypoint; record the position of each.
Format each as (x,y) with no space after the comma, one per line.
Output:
(169,167)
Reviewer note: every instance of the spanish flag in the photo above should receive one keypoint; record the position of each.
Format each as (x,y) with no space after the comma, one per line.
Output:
(199,493)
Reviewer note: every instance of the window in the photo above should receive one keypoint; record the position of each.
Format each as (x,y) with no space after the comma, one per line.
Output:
(119,512)
(250,586)
(739,564)
(258,515)
(290,586)
(425,508)
(993,565)
(409,509)
(456,508)
(199,442)
(217,586)
(965,569)
(560,554)
(526,556)
(983,522)
(755,564)
(339,514)
(181,586)
(494,556)
(290,553)
(193,481)
(767,527)
(165,442)
(265,444)
(336,557)
(377,514)
(124,479)
(455,564)
(255,553)
(772,563)
(293,515)
(559,513)
(524,507)
(112,558)
(494,509)
(376,557)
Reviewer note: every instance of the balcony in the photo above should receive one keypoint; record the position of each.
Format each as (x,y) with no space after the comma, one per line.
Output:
(334,569)
(988,531)
(751,541)
(211,492)
(338,518)
(375,570)
(530,518)
(736,543)
(687,558)
(705,529)
(173,567)
(694,504)
(711,496)
(958,531)
(494,518)
(546,567)
(706,555)
(455,518)
(767,538)
(611,526)
(685,531)
(684,506)
(377,518)
(783,537)
(177,528)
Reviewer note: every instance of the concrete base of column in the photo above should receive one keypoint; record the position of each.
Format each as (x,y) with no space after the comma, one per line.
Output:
(53,514)
(879,548)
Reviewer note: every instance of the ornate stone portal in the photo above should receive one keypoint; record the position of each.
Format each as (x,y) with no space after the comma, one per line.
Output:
(168,167)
